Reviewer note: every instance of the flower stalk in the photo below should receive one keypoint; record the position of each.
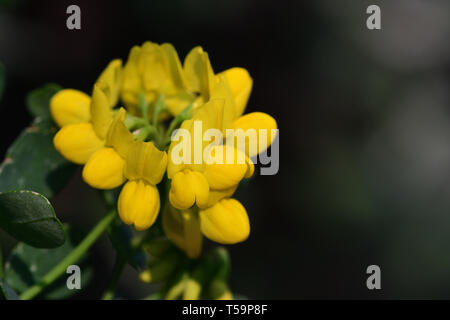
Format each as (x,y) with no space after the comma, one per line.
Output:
(72,258)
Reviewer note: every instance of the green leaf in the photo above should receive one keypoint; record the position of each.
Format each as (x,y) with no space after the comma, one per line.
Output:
(27,265)
(33,163)
(29,217)
(38,100)
(2,79)
(6,292)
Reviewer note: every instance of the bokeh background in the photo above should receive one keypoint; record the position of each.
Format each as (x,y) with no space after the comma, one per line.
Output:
(364,120)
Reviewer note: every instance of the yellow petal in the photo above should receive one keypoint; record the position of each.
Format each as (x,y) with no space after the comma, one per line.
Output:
(112,77)
(70,106)
(131,85)
(198,72)
(118,135)
(174,65)
(211,114)
(178,102)
(153,62)
(139,204)
(77,142)
(223,92)
(226,222)
(226,171)
(255,122)
(241,86)
(101,113)
(217,195)
(145,161)
(188,188)
(104,169)
(183,229)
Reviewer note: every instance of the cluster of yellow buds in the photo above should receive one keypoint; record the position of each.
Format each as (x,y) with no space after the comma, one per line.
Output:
(134,147)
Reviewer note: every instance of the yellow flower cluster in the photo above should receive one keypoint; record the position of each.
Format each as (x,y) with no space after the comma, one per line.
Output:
(94,134)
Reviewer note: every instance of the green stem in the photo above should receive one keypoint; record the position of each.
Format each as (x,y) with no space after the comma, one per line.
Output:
(157,109)
(73,257)
(117,272)
(132,122)
(143,105)
(146,132)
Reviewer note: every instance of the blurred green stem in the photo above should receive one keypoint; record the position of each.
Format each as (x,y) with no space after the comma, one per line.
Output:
(1,261)
(73,257)
(117,272)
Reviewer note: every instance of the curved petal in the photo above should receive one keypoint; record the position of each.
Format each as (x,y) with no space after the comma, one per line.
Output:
(217,195)
(118,135)
(77,142)
(183,229)
(104,169)
(101,113)
(131,85)
(145,161)
(198,72)
(112,77)
(226,222)
(211,114)
(253,126)
(241,85)
(226,166)
(70,106)
(155,74)
(188,188)
(139,204)
(223,92)
(174,65)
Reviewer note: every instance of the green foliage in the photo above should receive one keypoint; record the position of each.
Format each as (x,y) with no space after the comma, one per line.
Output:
(6,292)
(38,100)
(33,163)
(27,265)
(29,217)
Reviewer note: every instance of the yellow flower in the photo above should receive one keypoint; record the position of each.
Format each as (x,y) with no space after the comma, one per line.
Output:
(70,106)
(122,159)
(183,229)
(201,183)
(139,200)
(82,132)
(152,70)
(208,186)
(105,167)
(225,222)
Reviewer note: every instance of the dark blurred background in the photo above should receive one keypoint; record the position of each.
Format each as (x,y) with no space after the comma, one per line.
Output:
(364,120)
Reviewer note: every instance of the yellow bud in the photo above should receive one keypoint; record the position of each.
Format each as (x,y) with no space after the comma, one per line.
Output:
(139,204)
(226,222)
(188,188)
(104,169)
(70,106)
(77,142)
